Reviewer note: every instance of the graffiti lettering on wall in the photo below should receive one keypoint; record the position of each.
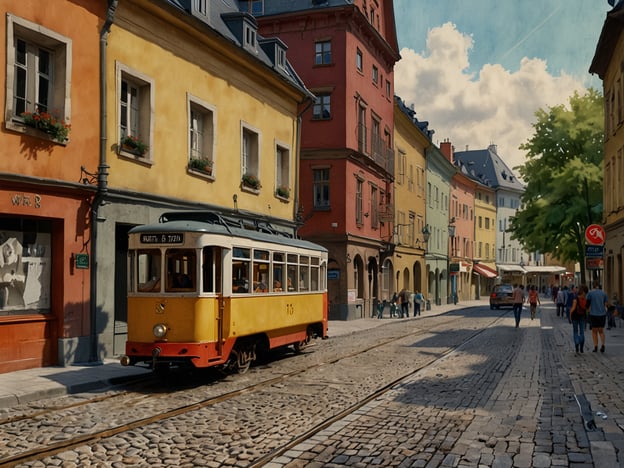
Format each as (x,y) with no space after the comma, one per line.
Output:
(23,199)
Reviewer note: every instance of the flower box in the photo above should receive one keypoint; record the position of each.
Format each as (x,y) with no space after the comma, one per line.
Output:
(47,123)
(282,191)
(201,164)
(251,181)
(134,145)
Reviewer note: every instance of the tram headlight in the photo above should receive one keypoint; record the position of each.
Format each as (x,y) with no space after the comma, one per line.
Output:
(159,330)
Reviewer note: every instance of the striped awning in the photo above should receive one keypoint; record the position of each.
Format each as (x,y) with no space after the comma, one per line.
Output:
(485,270)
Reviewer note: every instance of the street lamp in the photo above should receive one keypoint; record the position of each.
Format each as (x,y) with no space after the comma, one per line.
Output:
(451,231)
(426,234)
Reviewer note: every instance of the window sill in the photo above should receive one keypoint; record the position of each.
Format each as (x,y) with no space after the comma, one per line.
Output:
(245,188)
(200,174)
(135,157)
(33,132)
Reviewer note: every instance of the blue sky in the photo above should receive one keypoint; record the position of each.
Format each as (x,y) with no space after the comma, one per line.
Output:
(477,70)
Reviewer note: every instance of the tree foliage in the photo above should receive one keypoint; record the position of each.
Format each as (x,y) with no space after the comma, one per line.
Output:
(563,177)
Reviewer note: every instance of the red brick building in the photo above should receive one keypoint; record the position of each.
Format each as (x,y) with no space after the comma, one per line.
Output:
(345,53)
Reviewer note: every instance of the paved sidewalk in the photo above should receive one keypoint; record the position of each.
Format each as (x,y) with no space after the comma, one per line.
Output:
(34,384)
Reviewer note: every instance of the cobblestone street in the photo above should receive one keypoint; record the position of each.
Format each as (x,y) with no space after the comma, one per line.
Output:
(506,399)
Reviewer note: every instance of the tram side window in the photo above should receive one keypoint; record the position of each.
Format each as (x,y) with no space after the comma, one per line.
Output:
(304,273)
(240,270)
(314,274)
(291,268)
(261,271)
(278,271)
(181,270)
(148,270)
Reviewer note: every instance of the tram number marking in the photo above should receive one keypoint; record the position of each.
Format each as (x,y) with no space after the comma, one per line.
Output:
(290,309)
(173,238)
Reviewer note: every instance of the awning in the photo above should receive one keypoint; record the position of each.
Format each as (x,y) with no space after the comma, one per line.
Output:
(548,269)
(511,268)
(484,270)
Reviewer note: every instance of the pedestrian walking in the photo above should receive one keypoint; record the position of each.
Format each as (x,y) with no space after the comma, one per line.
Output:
(404,301)
(533,301)
(393,305)
(597,303)
(518,301)
(611,312)
(419,299)
(570,296)
(578,316)
(561,297)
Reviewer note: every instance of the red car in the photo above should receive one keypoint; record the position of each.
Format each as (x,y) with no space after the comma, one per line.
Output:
(501,296)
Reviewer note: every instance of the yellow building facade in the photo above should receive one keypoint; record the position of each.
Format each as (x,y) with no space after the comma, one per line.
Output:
(407,263)
(200,113)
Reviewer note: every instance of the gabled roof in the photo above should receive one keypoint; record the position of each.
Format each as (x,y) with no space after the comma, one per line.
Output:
(487,167)
(224,18)
(609,36)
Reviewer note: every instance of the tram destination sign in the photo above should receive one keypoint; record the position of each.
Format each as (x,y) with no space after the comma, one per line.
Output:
(164,238)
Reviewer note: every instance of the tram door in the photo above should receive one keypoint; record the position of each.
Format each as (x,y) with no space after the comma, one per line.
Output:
(212,269)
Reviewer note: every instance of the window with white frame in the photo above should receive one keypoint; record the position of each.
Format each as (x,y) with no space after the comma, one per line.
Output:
(282,171)
(38,72)
(375,74)
(250,157)
(201,135)
(359,60)
(250,36)
(135,106)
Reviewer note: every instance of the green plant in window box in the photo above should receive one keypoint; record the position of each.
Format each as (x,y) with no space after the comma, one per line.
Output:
(134,144)
(282,191)
(48,123)
(201,164)
(251,181)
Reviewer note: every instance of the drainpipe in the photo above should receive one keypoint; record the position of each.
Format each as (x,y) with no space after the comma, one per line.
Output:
(298,215)
(102,182)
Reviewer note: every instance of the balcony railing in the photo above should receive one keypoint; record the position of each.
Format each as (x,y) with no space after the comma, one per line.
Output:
(379,152)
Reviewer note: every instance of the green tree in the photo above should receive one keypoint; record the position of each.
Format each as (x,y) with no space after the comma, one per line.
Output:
(563,177)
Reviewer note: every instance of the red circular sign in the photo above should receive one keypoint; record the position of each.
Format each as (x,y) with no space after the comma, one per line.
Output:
(595,234)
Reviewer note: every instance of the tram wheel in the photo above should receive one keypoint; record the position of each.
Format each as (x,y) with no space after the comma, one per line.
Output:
(243,356)
(299,347)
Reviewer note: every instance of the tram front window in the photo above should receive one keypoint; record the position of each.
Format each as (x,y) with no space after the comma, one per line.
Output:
(148,268)
(181,270)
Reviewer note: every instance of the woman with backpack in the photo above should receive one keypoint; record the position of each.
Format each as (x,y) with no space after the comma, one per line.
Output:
(578,316)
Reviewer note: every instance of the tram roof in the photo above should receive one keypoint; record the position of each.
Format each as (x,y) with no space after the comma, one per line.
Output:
(208,227)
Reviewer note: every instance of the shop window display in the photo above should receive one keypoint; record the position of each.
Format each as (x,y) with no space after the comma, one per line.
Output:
(25,268)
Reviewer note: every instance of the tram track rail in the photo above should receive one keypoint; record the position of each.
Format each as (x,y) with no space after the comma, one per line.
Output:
(38,453)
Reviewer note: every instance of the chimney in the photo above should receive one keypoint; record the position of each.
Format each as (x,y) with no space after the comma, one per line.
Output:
(447,150)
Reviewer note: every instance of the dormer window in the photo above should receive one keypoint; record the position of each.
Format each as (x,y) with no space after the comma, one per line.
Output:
(280,56)
(202,7)
(250,36)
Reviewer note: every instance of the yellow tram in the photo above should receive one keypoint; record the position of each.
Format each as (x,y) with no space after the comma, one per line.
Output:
(208,290)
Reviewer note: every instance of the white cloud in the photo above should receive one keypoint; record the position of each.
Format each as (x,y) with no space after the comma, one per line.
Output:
(497,106)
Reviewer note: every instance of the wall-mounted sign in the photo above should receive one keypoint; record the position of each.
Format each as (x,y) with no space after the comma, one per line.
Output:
(594,251)
(594,263)
(333,274)
(454,267)
(82,261)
